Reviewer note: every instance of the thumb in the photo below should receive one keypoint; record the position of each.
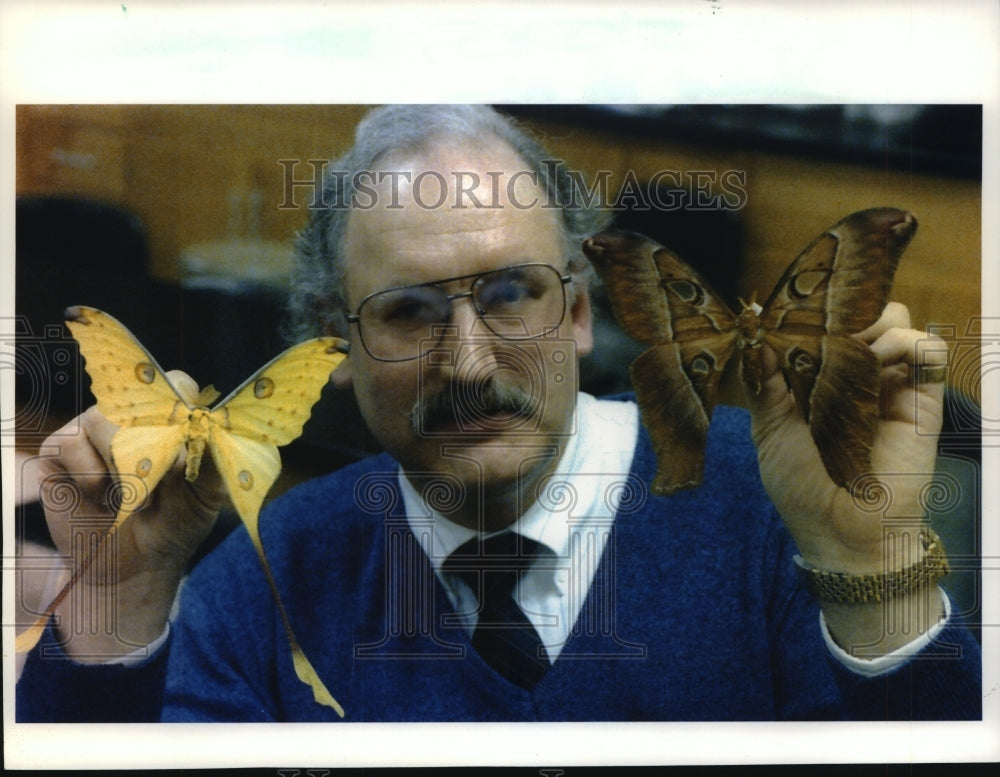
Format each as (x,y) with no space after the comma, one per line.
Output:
(184,385)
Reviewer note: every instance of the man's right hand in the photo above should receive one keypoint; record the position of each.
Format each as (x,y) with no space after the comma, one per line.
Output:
(123,600)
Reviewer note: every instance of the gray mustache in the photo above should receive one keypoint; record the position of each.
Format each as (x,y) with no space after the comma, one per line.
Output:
(465,404)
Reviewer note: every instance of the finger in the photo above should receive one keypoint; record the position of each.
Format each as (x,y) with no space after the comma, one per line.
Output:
(774,396)
(920,357)
(83,449)
(99,432)
(208,489)
(895,315)
(184,385)
(77,476)
(910,346)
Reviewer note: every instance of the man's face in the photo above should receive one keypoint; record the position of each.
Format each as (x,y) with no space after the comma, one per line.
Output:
(496,455)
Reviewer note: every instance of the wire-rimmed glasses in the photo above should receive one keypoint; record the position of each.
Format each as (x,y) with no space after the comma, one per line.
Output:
(521,302)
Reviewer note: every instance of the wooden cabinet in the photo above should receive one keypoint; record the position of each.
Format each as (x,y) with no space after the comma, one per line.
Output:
(71,150)
(191,173)
(200,174)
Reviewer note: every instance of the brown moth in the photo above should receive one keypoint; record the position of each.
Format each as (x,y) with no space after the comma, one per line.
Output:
(836,288)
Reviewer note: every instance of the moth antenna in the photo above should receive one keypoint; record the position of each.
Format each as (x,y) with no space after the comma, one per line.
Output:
(752,304)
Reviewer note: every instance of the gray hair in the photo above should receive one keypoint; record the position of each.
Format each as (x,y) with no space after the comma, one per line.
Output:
(316,303)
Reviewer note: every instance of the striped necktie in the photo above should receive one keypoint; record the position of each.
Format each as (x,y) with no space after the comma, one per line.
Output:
(504,637)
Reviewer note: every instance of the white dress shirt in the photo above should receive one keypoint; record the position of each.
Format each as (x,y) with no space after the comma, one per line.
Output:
(571,520)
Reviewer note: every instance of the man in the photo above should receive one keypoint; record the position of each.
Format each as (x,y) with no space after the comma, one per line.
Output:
(463,294)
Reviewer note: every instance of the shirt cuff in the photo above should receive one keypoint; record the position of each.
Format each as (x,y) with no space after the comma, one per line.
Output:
(140,656)
(146,653)
(883,664)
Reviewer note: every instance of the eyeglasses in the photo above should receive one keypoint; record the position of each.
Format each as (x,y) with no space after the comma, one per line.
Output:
(521,302)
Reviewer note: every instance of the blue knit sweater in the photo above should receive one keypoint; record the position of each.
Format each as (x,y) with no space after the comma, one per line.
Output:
(695,614)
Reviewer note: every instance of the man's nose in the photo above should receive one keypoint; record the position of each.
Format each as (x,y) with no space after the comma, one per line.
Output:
(474,344)
(465,317)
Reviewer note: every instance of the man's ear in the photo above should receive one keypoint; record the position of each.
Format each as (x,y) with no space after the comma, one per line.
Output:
(342,377)
(583,323)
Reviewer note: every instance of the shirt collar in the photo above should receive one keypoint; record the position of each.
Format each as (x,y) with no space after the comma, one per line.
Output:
(598,453)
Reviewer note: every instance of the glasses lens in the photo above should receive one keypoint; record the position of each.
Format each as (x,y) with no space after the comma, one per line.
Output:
(397,324)
(516,303)
(520,302)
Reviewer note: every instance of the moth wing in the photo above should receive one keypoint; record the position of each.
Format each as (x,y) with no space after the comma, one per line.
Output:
(801,358)
(132,392)
(131,389)
(273,404)
(656,297)
(840,283)
(663,302)
(675,386)
(624,261)
(697,312)
(835,380)
(844,408)
(837,287)
(248,469)
(142,455)
(268,410)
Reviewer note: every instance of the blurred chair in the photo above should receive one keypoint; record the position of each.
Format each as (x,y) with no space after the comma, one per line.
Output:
(79,251)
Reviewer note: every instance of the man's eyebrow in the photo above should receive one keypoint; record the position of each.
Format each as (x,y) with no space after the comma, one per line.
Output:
(466,276)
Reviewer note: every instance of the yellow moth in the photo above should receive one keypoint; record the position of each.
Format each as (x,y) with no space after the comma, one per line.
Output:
(242,433)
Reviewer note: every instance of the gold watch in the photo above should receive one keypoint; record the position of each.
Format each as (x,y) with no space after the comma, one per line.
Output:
(843,588)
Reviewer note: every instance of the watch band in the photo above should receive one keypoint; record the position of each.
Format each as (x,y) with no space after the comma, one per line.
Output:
(843,588)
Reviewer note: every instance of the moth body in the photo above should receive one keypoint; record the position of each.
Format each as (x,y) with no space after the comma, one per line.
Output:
(748,327)
(750,337)
(196,435)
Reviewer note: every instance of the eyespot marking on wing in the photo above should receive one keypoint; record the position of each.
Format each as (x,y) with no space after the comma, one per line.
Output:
(263,388)
(145,372)
(688,291)
(805,283)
